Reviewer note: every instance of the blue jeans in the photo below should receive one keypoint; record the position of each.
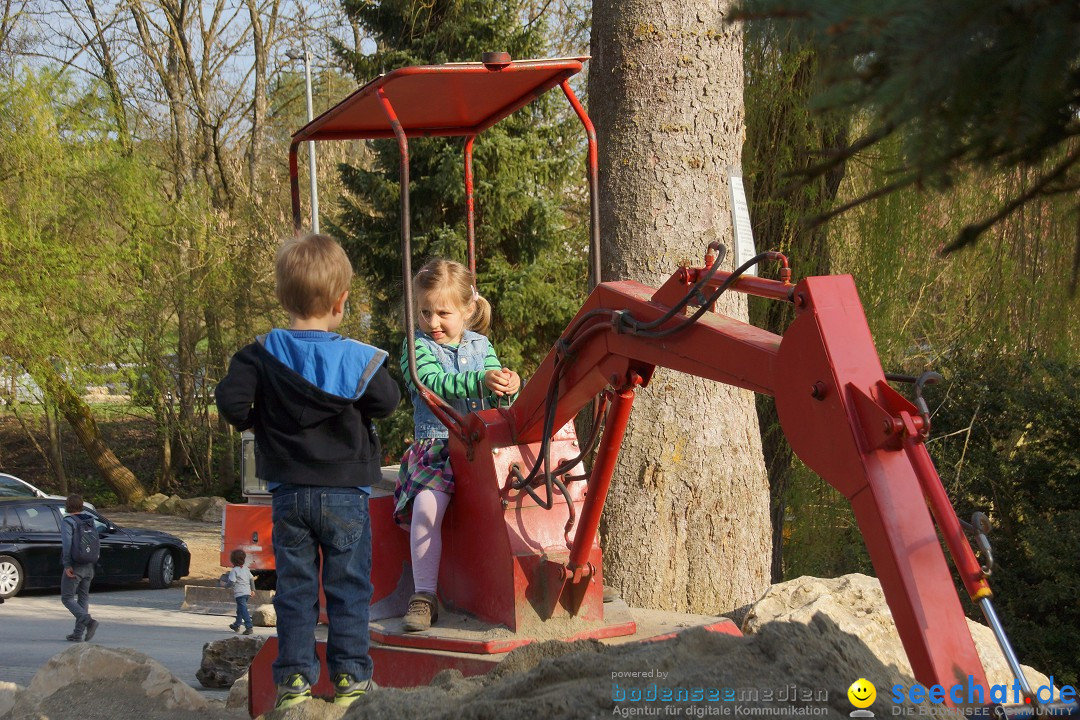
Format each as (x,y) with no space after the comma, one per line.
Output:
(242,614)
(75,594)
(310,522)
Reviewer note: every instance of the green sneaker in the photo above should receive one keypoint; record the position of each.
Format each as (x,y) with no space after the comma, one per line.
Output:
(347,688)
(295,691)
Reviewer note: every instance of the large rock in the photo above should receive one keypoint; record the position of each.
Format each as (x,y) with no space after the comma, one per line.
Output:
(192,508)
(223,661)
(264,615)
(238,693)
(9,691)
(86,668)
(152,503)
(170,505)
(212,511)
(856,604)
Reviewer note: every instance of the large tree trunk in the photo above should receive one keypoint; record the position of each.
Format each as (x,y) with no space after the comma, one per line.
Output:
(687,524)
(118,477)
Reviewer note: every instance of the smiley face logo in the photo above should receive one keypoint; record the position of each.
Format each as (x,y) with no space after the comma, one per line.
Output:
(862,693)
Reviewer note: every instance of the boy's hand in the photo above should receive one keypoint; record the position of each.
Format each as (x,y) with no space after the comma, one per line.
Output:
(502,382)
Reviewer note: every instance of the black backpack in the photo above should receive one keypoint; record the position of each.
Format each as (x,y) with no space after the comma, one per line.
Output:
(85,543)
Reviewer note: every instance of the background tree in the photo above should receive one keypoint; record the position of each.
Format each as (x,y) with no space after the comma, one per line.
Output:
(998,322)
(69,195)
(186,89)
(1005,434)
(687,523)
(531,227)
(780,72)
(990,85)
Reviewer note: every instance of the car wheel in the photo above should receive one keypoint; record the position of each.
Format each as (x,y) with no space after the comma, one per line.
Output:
(11,577)
(162,570)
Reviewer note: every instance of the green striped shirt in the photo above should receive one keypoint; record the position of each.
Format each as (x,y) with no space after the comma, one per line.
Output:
(449,385)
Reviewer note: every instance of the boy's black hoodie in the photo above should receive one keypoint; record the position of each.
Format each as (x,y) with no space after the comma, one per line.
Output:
(305,435)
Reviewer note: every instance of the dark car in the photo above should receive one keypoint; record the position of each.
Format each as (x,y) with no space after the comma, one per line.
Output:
(30,549)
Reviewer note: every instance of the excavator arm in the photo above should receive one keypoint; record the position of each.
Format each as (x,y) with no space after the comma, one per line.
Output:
(836,409)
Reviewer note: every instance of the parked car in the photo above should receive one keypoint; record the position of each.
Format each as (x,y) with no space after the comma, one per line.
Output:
(11,486)
(30,549)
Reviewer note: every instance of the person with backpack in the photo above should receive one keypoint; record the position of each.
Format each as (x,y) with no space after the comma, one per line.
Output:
(81,550)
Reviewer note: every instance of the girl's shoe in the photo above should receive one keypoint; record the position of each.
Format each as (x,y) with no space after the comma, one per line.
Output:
(248,631)
(423,611)
(235,627)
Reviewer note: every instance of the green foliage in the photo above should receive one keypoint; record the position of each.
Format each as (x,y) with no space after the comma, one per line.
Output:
(531,238)
(1012,294)
(1010,298)
(781,127)
(780,70)
(1004,440)
(821,537)
(69,200)
(961,84)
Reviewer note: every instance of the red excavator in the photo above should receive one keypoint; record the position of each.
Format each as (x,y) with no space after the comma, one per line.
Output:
(521,561)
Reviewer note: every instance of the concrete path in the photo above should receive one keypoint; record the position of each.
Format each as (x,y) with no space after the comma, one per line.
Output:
(33,626)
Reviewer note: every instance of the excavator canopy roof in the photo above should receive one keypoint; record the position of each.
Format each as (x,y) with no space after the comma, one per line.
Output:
(453,99)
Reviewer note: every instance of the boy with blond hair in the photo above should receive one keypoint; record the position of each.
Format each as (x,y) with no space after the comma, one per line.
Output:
(310,395)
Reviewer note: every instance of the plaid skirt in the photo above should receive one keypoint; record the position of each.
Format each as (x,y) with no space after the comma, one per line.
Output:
(424,466)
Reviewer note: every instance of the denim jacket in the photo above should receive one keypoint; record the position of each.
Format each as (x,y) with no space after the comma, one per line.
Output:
(468,355)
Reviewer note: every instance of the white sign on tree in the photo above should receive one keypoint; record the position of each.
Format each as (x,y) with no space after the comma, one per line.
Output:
(740,221)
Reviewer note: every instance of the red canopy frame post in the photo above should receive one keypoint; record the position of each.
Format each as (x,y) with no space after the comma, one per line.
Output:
(460,99)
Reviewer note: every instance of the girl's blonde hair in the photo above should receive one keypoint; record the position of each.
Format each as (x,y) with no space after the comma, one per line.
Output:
(454,281)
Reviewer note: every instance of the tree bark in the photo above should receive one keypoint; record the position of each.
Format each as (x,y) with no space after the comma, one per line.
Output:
(687,524)
(78,414)
(56,449)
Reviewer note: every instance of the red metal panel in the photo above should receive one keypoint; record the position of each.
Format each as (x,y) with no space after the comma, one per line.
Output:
(389,548)
(503,554)
(247,527)
(724,627)
(454,99)
(826,360)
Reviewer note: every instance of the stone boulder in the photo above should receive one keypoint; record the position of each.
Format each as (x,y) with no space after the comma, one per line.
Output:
(212,511)
(131,677)
(264,615)
(9,693)
(192,508)
(224,661)
(152,503)
(170,506)
(238,693)
(856,604)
